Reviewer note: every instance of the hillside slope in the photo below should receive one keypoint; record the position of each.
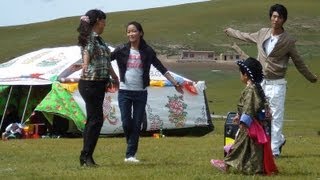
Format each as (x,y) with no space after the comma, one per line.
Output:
(170,29)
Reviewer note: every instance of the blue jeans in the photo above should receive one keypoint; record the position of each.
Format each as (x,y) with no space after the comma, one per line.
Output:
(132,108)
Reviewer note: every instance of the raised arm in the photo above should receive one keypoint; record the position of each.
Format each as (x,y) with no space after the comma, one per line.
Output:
(248,37)
(159,66)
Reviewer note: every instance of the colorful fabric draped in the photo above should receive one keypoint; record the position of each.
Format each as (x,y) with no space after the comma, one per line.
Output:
(257,133)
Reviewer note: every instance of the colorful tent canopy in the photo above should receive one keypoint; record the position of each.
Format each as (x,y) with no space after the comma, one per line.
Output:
(55,67)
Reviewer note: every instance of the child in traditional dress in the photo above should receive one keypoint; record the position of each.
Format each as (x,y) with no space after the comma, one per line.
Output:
(251,152)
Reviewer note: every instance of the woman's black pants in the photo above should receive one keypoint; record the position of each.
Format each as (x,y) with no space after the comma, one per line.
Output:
(92,93)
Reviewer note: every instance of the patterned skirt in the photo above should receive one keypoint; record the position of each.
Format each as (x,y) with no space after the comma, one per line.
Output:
(245,155)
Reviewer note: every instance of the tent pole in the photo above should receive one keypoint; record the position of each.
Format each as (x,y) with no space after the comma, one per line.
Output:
(6,106)
(25,106)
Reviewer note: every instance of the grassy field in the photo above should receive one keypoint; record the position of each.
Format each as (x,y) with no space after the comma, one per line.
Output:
(196,26)
(166,158)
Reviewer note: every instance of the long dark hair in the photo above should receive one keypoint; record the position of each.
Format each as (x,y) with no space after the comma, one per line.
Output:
(253,69)
(140,29)
(86,24)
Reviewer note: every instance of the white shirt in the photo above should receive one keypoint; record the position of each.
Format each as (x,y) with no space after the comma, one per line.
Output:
(133,76)
(270,43)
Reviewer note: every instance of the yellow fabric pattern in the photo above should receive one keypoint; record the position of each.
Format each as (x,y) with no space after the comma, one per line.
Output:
(229,141)
(157,83)
(71,87)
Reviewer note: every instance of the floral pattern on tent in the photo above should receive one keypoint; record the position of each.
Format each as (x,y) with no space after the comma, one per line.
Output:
(177,107)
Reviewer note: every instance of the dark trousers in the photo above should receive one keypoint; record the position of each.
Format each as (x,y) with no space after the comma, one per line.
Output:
(92,93)
(132,108)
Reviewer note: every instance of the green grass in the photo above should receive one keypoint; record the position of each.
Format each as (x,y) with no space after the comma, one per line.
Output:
(166,158)
(184,157)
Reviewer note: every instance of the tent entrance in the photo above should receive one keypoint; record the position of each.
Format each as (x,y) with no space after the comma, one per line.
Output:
(24,99)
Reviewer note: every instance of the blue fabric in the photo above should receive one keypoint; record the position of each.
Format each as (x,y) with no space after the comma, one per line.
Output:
(262,115)
(132,108)
(246,119)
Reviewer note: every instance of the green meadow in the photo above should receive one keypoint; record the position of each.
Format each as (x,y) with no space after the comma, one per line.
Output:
(169,30)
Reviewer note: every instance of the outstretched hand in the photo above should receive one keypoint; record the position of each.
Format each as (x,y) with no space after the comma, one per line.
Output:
(226,31)
(314,80)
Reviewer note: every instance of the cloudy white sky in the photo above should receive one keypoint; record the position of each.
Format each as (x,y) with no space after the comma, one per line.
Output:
(17,12)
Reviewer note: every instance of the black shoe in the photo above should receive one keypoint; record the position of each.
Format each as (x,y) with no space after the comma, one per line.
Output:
(91,162)
(280,148)
(83,158)
(86,159)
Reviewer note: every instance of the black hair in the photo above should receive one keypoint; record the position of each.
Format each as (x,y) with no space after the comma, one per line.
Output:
(253,69)
(86,26)
(140,29)
(280,9)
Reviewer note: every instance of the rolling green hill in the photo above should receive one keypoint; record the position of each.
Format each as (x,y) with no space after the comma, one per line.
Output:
(192,26)
(197,26)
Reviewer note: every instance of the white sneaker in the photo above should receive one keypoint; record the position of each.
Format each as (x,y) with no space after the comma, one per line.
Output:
(131,159)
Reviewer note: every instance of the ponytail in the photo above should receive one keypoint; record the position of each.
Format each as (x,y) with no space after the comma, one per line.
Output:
(84,30)
(86,24)
(261,93)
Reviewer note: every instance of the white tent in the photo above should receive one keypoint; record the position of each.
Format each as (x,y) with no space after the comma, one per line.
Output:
(54,68)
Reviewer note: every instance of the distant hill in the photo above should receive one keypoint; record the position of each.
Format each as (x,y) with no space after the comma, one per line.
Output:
(170,29)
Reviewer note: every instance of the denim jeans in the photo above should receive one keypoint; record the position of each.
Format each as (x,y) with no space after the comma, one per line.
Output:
(132,108)
(92,93)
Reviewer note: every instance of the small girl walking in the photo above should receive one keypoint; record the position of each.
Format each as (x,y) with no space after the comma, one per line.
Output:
(251,152)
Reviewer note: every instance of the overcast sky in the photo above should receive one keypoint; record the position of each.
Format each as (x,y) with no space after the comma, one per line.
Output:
(18,12)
